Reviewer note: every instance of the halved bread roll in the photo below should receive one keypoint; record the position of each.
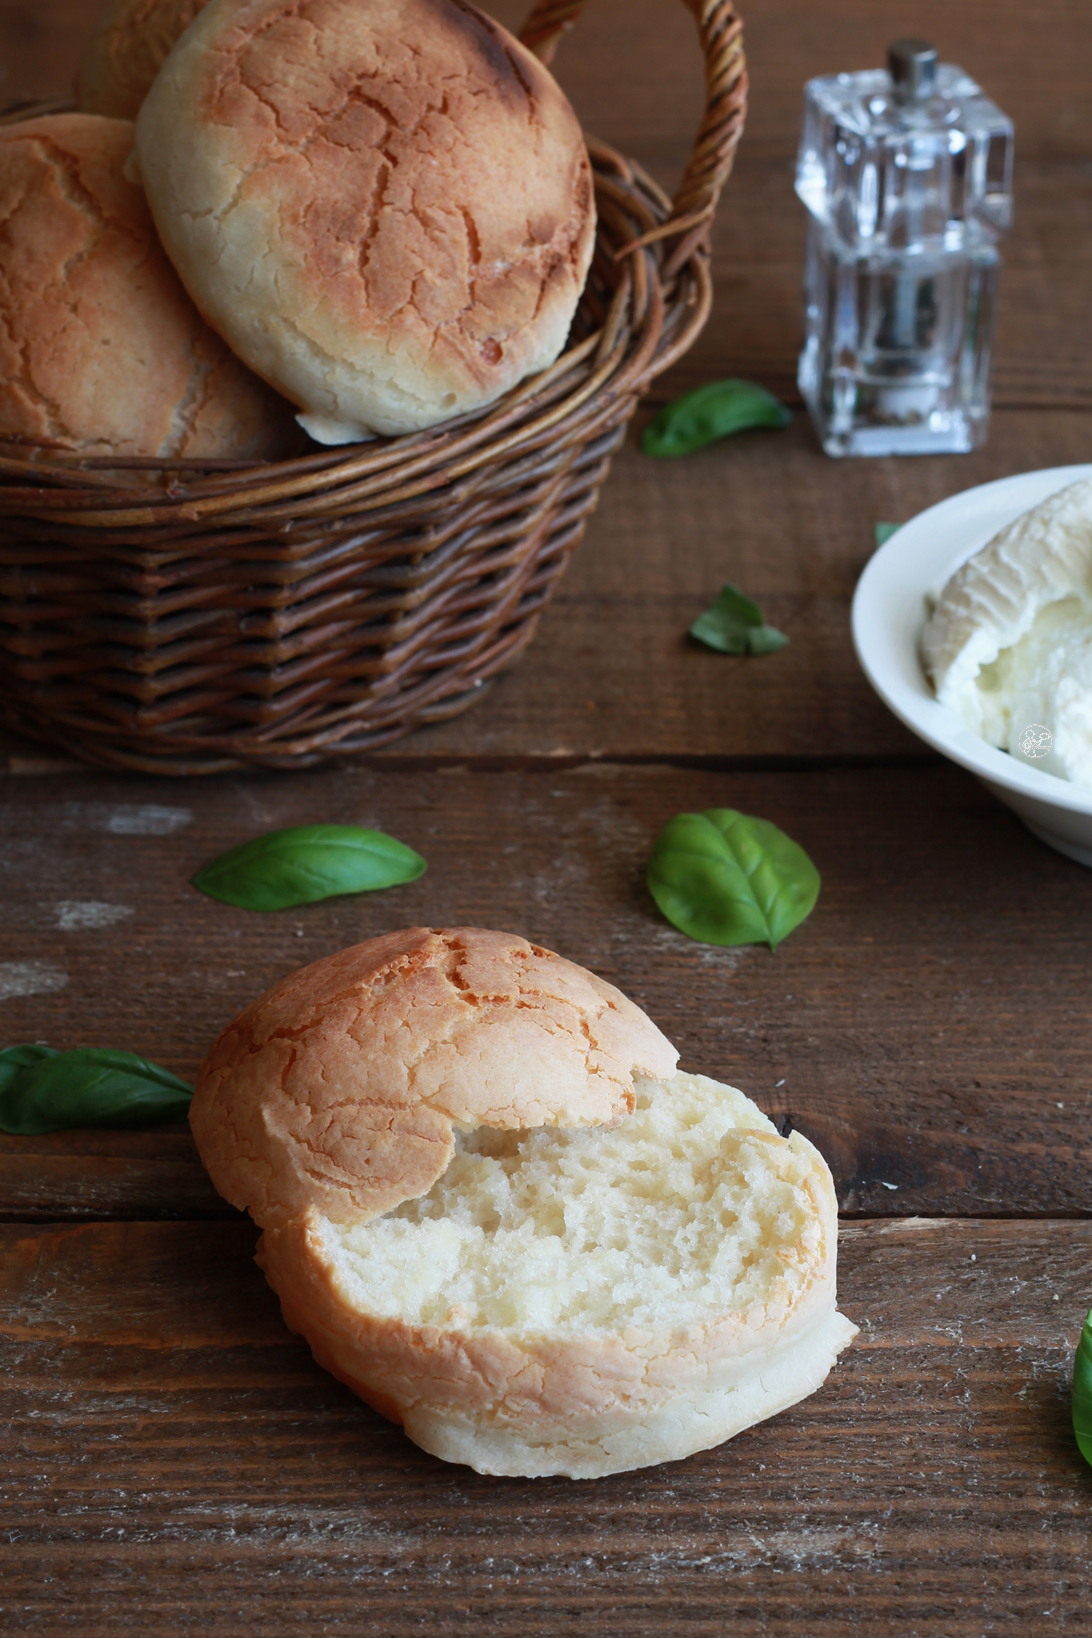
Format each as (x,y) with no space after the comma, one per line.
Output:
(566,1299)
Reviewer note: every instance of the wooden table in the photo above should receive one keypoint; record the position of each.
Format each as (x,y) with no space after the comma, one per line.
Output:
(173,1459)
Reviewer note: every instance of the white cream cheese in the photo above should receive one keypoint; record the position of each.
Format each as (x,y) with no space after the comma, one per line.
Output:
(1009,644)
(1044,681)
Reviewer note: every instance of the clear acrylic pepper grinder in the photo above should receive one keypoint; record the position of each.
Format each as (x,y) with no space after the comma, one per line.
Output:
(907,174)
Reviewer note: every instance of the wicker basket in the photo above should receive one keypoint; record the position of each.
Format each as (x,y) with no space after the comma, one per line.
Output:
(168,618)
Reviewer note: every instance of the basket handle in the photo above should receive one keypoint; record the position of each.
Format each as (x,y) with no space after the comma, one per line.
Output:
(721,127)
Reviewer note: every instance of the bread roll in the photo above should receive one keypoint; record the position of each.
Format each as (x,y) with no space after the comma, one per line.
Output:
(126,52)
(586,1277)
(340,1087)
(101,350)
(385,206)
(583,1302)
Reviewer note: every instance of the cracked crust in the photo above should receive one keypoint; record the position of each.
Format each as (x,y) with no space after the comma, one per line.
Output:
(101,350)
(126,52)
(339,1088)
(385,206)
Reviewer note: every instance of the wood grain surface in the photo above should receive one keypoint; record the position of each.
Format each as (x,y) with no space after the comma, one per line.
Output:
(189,1468)
(171,1459)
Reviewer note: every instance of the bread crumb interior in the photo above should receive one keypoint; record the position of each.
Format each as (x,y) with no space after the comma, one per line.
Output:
(683,1210)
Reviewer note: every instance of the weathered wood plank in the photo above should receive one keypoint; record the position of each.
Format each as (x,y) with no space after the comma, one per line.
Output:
(106,1174)
(611,671)
(927,1027)
(175,1458)
(633,71)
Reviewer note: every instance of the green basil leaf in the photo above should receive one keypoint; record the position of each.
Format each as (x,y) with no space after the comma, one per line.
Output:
(46,1091)
(884,531)
(724,878)
(765,640)
(734,625)
(714,411)
(308,863)
(1082,1392)
(14,1059)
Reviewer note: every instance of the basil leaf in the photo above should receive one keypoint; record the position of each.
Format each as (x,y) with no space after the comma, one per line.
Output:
(884,531)
(765,640)
(1082,1392)
(724,878)
(14,1059)
(46,1091)
(714,411)
(308,863)
(734,625)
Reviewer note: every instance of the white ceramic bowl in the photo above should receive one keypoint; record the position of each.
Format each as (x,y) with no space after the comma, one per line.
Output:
(889,611)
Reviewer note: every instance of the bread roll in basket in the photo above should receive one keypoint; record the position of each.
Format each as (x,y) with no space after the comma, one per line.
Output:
(183,617)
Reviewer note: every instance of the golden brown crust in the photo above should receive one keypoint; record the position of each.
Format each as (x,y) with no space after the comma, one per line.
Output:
(101,350)
(386,206)
(126,52)
(339,1088)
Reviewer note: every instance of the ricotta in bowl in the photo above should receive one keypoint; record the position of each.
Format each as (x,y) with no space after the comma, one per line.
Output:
(1008,646)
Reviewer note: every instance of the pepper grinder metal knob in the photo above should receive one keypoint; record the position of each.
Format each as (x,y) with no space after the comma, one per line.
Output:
(912,65)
